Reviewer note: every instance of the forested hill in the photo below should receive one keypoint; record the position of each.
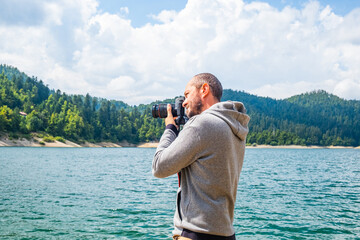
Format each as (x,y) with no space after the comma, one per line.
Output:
(27,106)
(315,118)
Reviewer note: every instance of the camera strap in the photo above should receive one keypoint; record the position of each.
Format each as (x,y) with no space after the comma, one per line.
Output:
(179,178)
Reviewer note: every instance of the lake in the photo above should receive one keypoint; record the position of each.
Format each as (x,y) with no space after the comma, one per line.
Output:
(110,193)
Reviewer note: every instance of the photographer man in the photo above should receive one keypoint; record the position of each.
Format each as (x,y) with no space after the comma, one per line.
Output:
(208,155)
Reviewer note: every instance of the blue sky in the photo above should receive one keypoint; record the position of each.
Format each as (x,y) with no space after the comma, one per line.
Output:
(139,51)
(141,10)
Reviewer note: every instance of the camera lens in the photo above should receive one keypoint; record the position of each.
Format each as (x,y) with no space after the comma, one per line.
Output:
(155,110)
(160,110)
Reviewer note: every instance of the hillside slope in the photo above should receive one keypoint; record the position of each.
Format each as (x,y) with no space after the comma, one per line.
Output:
(27,105)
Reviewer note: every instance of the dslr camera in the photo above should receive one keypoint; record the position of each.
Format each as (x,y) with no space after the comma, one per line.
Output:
(177,110)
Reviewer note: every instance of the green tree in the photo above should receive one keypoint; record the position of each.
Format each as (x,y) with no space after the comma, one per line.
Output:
(74,124)
(6,118)
(34,122)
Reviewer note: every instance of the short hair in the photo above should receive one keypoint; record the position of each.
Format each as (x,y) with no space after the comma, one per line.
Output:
(214,83)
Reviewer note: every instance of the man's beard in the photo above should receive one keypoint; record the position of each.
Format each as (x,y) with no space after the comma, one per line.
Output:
(196,108)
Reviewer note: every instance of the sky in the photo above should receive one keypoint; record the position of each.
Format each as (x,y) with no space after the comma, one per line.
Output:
(139,51)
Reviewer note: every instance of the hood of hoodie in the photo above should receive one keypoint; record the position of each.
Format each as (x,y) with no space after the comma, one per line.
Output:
(234,114)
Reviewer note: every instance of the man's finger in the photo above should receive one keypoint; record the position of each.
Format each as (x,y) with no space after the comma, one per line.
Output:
(170,118)
(169,112)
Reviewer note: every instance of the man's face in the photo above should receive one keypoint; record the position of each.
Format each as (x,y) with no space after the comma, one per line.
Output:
(192,103)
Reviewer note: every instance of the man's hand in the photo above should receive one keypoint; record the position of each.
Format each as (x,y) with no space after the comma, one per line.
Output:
(170,118)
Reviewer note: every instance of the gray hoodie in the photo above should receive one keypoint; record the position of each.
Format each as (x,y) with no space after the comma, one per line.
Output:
(209,153)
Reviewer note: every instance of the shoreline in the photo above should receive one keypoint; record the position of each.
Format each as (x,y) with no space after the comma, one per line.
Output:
(35,142)
(301,147)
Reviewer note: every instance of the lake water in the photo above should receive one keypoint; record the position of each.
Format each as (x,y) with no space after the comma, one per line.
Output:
(110,193)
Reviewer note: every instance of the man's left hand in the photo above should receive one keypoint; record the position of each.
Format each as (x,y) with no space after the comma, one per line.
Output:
(170,118)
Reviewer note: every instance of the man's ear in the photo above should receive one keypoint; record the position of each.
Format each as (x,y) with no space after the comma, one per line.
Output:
(205,90)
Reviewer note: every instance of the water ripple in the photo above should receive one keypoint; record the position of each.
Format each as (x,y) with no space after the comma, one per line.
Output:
(110,194)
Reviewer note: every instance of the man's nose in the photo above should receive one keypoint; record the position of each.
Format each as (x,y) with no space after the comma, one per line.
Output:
(184,103)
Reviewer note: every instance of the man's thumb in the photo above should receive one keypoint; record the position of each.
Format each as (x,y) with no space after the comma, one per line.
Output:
(169,110)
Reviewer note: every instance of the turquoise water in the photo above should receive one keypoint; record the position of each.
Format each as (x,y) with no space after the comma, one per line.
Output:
(109,193)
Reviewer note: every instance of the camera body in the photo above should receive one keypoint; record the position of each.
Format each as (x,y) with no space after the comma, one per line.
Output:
(177,110)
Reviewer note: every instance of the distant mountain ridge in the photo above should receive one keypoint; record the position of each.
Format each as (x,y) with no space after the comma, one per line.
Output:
(317,117)
(314,118)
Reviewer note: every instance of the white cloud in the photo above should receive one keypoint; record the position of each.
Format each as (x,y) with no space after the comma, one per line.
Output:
(348,88)
(67,80)
(75,47)
(165,16)
(122,83)
(21,13)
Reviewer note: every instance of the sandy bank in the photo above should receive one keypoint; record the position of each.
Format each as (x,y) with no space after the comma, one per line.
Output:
(100,144)
(5,141)
(34,142)
(149,145)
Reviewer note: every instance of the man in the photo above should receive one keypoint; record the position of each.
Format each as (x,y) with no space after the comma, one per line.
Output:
(208,154)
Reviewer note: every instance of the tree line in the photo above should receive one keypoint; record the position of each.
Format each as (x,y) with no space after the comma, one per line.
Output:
(28,105)
(314,118)
(74,117)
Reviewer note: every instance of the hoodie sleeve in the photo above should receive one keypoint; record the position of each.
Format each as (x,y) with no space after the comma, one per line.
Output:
(175,153)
